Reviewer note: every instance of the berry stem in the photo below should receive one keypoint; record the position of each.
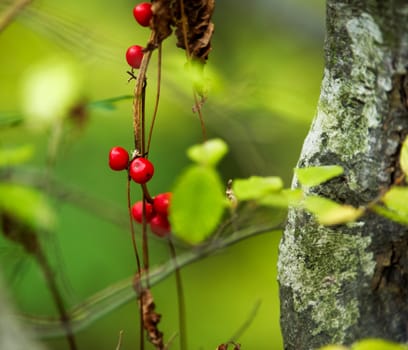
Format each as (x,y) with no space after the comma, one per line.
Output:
(180,297)
(145,242)
(139,270)
(132,229)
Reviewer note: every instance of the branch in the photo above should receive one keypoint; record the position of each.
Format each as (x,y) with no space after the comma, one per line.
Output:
(114,296)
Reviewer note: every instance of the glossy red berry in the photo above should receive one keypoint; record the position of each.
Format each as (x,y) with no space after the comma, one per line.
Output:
(141,170)
(137,211)
(134,56)
(160,225)
(118,158)
(143,13)
(161,203)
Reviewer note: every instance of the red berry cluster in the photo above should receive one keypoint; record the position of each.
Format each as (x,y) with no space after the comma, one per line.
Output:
(156,213)
(143,14)
(141,170)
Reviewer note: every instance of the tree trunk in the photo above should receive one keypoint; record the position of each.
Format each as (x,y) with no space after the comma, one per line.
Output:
(347,282)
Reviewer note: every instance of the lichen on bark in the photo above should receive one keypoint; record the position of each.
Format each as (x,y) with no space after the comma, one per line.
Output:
(326,274)
(318,266)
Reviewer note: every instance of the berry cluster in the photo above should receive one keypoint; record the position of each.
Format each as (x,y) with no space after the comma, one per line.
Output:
(141,170)
(156,213)
(143,14)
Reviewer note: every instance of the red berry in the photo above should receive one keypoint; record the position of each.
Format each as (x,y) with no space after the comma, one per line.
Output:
(143,13)
(161,203)
(118,158)
(137,211)
(141,170)
(160,225)
(134,56)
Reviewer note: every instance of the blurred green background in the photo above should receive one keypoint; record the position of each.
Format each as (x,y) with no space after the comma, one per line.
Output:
(264,75)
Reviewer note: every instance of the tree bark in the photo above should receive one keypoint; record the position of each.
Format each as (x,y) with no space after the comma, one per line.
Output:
(348,282)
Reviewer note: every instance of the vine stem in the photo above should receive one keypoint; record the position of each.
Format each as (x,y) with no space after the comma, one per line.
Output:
(197,106)
(180,297)
(138,265)
(138,99)
(156,104)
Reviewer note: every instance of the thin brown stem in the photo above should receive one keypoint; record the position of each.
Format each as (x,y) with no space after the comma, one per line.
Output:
(56,295)
(12,12)
(132,228)
(180,298)
(156,104)
(138,265)
(145,243)
(197,104)
(138,97)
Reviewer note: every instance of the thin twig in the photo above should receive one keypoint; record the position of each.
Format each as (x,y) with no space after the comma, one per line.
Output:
(156,104)
(241,330)
(197,107)
(132,228)
(120,340)
(137,101)
(12,12)
(116,295)
(180,298)
(56,295)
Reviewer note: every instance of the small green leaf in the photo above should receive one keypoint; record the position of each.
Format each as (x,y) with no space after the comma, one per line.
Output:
(377,344)
(404,157)
(208,153)
(396,199)
(334,347)
(8,119)
(390,214)
(197,204)
(15,155)
(50,89)
(26,204)
(109,103)
(282,199)
(328,212)
(256,187)
(313,176)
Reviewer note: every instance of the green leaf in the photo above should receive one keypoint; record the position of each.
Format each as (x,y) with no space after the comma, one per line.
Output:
(208,153)
(313,176)
(16,155)
(328,212)
(404,157)
(377,344)
(109,103)
(282,199)
(390,214)
(256,187)
(8,119)
(396,199)
(334,347)
(50,89)
(197,204)
(26,204)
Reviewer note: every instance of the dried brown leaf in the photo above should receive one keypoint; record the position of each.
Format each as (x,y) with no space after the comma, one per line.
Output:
(194,28)
(151,319)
